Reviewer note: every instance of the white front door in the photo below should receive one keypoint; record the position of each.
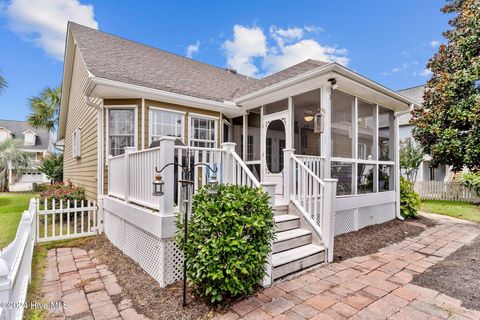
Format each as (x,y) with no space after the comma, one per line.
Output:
(274,139)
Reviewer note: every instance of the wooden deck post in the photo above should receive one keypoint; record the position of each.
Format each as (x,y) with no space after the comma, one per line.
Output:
(167,155)
(228,162)
(126,169)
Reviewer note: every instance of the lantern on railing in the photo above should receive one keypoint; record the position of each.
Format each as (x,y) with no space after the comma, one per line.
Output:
(213,184)
(319,122)
(158,186)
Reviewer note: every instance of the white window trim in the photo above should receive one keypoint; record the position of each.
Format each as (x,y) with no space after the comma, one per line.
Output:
(201,116)
(150,121)
(107,120)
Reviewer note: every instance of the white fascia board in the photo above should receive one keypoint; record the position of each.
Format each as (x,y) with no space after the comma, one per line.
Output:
(334,68)
(227,107)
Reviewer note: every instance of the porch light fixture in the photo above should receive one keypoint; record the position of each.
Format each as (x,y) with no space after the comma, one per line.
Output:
(319,122)
(333,83)
(158,185)
(213,184)
(308,116)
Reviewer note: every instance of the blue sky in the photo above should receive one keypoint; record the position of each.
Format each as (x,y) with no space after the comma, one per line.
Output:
(387,41)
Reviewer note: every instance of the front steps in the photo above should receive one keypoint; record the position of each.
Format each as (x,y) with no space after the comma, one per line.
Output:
(294,248)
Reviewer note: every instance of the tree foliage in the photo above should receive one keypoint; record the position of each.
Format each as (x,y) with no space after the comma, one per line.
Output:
(448,124)
(472,181)
(52,166)
(45,109)
(11,156)
(411,157)
(229,240)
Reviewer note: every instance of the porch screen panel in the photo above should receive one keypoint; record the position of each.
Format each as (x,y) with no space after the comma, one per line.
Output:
(254,135)
(237,135)
(121,130)
(385,134)
(343,172)
(385,178)
(342,114)
(274,107)
(366,130)
(365,178)
(305,106)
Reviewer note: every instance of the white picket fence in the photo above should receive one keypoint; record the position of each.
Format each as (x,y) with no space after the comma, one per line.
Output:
(16,266)
(441,190)
(47,221)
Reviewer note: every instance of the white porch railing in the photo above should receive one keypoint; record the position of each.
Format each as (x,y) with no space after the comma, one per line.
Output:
(441,190)
(130,175)
(314,163)
(16,266)
(315,199)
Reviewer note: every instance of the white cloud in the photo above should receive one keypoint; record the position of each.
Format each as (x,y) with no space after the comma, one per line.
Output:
(396,69)
(247,44)
(45,22)
(254,53)
(434,43)
(192,49)
(425,73)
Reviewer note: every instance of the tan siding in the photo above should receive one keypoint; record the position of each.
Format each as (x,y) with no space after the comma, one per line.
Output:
(82,171)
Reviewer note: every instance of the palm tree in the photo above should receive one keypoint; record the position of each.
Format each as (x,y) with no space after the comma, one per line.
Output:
(11,157)
(45,109)
(3,82)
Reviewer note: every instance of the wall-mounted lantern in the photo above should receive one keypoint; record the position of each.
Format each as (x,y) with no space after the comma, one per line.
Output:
(319,122)
(158,185)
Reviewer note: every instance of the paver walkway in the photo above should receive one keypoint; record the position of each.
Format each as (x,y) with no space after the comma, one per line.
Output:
(87,289)
(375,286)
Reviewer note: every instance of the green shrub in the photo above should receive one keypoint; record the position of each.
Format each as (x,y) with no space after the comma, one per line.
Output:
(471,180)
(52,166)
(229,241)
(409,199)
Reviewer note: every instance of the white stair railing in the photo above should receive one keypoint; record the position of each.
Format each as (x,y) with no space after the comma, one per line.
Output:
(314,163)
(315,199)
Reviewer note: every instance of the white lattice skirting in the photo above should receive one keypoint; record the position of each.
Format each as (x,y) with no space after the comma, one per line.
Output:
(358,218)
(160,258)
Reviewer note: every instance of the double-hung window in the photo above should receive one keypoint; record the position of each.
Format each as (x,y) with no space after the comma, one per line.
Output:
(121,130)
(165,124)
(203,132)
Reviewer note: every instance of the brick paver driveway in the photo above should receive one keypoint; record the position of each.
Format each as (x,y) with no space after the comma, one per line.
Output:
(376,286)
(88,289)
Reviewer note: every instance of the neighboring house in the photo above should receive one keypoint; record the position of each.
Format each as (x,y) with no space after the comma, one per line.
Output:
(426,172)
(35,144)
(293,131)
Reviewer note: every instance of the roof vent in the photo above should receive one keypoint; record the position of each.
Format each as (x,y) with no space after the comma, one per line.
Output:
(230,70)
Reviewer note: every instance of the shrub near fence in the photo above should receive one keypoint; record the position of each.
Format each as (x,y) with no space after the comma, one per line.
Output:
(441,190)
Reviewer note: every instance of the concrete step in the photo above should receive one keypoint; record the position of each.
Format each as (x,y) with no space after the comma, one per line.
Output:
(285,222)
(290,239)
(294,260)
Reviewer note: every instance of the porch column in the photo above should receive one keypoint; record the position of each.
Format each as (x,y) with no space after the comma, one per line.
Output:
(328,212)
(327,132)
(287,173)
(229,147)
(269,187)
(167,155)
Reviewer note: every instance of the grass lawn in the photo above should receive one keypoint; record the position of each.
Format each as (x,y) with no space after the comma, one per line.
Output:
(455,209)
(12,206)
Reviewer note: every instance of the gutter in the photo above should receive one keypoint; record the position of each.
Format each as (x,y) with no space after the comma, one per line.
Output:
(170,97)
(100,166)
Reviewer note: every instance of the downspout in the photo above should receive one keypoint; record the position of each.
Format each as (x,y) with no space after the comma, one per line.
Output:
(99,109)
(397,160)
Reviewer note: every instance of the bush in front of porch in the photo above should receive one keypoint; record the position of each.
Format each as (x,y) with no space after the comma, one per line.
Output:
(229,241)
(409,199)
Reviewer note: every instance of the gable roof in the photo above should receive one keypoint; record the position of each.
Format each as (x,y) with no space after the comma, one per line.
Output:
(414,93)
(17,128)
(110,57)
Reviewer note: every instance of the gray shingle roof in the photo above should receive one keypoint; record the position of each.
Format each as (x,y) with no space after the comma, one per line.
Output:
(114,58)
(19,127)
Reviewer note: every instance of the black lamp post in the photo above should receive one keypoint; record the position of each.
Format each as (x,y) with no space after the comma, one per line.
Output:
(187,191)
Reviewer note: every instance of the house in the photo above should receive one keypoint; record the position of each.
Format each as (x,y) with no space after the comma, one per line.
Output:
(35,142)
(319,137)
(426,172)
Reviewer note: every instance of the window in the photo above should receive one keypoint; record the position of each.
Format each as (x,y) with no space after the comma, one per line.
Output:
(385,134)
(203,132)
(165,124)
(77,143)
(121,130)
